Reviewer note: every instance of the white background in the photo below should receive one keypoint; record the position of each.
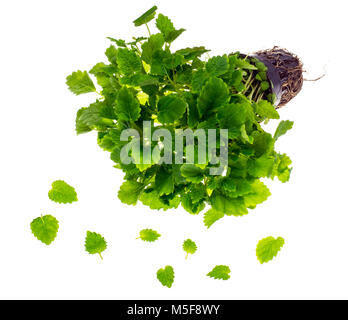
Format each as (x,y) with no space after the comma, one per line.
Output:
(44,41)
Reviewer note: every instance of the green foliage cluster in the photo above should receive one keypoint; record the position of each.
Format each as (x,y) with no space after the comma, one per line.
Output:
(145,80)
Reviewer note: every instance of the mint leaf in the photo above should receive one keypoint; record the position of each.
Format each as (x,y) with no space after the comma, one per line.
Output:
(127,106)
(130,192)
(189,247)
(166,276)
(258,194)
(192,173)
(268,248)
(152,45)
(128,61)
(79,82)
(282,128)
(45,228)
(62,192)
(213,95)
(146,17)
(95,243)
(220,273)
(148,235)
(165,25)
(227,205)
(266,110)
(211,216)
(164,182)
(217,66)
(170,108)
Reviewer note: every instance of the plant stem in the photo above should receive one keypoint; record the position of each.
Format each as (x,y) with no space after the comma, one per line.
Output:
(101,257)
(148,29)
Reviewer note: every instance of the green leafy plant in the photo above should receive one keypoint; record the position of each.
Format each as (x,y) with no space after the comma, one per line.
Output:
(268,248)
(45,228)
(220,273)
(148,235)
(61,192)
(189,247)
(144,80)
(95,243)
(166,276)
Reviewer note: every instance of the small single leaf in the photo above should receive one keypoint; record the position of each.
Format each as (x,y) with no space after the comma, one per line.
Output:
(282,128)
(265,109)
(95,243)
(146,17)
(61,192)
(268,248)
(148,235)
(45,228)
(170,108)
(79,82)
(220,273)
(213,95)
(166,276)
(128,61)
(211,216)
(164,24)
(130,191)
(127,106)
(189,247)
(164,182)
(217,66)
(191,173)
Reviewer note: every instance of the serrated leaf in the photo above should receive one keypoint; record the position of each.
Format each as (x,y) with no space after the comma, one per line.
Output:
(151,198)
(227,205)
(148,235)
(220,272)
(189,247)
(79,82)
(128,61)
(127,106)
(213,95)
(211,216)
(192,173)
(62,192)
(258,194)
(45,228)
(145,17)
(170,108)
(80,126)
(266,110)
(119,42)
(173,35)
(164,181)
(164,24)
(268,248)
(281,167)
(233,116)
(192,53)
(217,66)
(130,191)
(166,276)
(111,54)
(199,78)
(95,243)
(282,128)
(190,206)
(153,44)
